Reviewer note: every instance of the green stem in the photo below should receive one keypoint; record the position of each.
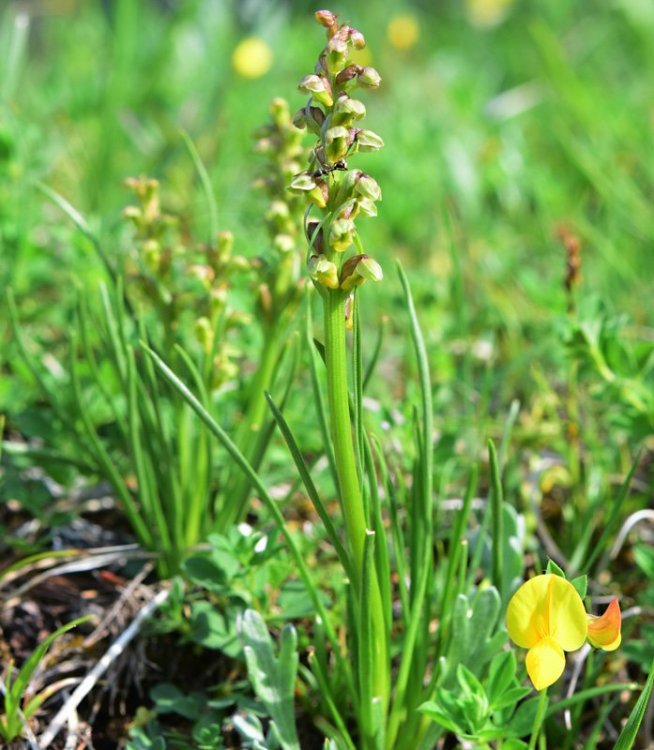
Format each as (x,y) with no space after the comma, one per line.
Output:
(348,481)
(538,720)
(249,433)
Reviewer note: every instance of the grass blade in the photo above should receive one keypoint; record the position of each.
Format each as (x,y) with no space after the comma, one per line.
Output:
(629,732)
(497,521)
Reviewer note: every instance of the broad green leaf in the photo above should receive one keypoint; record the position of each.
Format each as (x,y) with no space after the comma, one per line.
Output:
(501,675)
(523,720)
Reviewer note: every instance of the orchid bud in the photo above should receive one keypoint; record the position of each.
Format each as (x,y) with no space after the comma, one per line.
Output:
(299,119)
(327,19)
(318,87)
(323,271)
(368,141)
(368,188)
(357,269)
(370,269)
(204,333)
(152,255)
(265,299)
(225,243)
(336,143)
(336,58)
(348,74)
(366,207)
(218,299)
(263,146)
(347,109)
(369,78)
(284,243)
(204,274)
(133,214)
(316,192)
(240,263)
(313,118)
(340,235)
(279,112)
(357,39)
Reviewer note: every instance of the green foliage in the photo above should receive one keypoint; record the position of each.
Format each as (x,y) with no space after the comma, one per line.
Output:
(619,366)
(16,709)
(629,732)
(273,677)
(482,714)
(475,637)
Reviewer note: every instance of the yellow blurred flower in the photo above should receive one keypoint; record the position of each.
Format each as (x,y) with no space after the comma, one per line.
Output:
(252,57)
(487,13)
(403,32)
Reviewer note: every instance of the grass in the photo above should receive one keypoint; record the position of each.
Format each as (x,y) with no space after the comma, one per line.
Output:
(521,431)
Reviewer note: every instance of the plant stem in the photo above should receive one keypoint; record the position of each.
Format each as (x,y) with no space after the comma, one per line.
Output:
(540,715)
(249,433)
(348,481)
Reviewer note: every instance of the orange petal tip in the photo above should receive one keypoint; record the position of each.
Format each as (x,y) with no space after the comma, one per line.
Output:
(604,631)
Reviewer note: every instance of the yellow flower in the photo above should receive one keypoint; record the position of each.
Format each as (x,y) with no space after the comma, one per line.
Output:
(252,57)
(546,616)
(403,32)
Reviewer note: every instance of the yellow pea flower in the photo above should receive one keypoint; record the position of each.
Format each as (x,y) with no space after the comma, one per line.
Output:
(252,57)
(546,616)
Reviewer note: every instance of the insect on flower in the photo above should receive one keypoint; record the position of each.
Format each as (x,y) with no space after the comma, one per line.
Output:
(547,616)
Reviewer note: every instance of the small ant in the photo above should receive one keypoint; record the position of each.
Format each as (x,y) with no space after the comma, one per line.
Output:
(325,169)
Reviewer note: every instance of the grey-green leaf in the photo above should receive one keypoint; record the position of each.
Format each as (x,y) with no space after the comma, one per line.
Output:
(272,677)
